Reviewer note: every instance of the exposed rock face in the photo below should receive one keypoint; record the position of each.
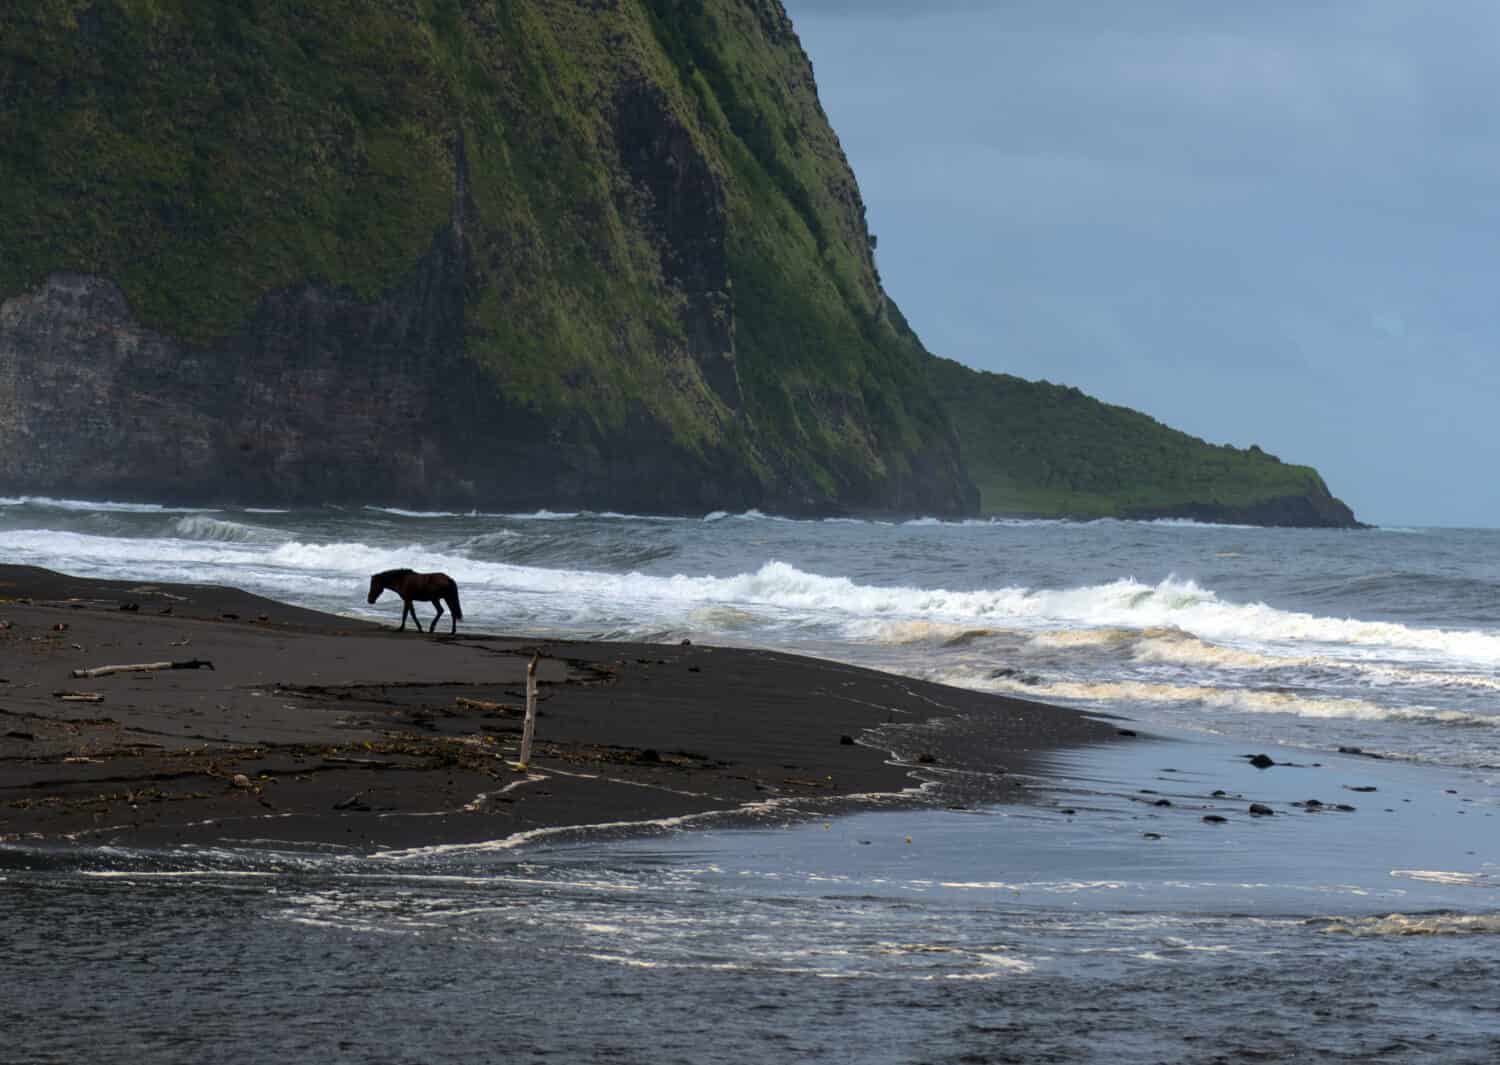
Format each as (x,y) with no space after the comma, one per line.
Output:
(321,398)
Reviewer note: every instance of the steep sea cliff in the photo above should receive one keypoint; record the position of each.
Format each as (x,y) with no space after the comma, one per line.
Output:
(520,253)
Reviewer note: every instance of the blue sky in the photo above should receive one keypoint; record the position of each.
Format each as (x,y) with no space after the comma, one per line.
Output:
(1272,224)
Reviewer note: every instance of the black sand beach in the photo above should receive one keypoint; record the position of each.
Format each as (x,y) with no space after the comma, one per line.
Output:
(312,728)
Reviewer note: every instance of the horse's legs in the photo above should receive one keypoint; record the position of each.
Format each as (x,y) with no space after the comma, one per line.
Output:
(406,606)
(437,603)
(452,623)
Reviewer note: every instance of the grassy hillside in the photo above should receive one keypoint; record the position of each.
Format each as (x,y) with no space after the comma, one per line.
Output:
(1033,447)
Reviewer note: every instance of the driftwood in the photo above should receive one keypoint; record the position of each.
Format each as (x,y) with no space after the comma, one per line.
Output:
(143,667)
(485,704)
(529,728)
(78,697)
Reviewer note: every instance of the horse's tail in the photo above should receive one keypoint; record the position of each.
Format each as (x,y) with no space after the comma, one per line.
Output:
(458,611)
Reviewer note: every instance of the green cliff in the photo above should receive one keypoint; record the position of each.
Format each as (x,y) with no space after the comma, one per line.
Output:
(459,252)
(1035,448)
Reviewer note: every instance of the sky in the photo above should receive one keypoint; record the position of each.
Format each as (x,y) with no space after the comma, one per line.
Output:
(1270,223)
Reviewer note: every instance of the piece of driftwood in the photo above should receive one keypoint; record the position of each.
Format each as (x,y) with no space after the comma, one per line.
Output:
(485,704)
(78,697)
(143,667)
(529,728)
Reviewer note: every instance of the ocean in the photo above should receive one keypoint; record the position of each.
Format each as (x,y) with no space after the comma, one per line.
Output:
(1108,923)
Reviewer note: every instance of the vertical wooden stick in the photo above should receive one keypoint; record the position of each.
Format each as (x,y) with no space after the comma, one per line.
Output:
(530,727)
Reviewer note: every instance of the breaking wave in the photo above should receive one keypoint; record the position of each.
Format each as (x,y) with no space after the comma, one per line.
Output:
(202,527)
(1422,924)
(87,506)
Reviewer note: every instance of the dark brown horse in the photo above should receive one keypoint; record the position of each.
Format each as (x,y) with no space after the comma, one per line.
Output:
(434,588)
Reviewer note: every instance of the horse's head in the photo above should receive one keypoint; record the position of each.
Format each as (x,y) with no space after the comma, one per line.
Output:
(376,587)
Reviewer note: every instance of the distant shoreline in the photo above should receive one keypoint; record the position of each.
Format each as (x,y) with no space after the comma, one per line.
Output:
(1226,517)
(317,730)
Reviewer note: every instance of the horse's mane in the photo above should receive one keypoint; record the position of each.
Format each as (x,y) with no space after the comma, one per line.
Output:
(395,573)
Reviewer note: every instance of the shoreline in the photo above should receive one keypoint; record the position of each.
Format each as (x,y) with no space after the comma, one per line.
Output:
(1223,516)
(318,730)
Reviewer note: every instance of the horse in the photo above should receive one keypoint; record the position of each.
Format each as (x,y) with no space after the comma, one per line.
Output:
(434,588)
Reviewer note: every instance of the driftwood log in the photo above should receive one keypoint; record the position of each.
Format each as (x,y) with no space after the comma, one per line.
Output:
(485,704)
(529,728)
(143,667)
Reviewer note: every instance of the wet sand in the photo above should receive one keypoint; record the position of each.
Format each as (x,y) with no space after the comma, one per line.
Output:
(313,729)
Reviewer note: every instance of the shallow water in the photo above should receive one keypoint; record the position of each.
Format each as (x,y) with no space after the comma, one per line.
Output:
(1010,934)
(1005,934)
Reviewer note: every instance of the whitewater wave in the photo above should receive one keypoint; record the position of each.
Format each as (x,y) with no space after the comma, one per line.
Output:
(1381,676)
(921,630)
(1188,523)
(1174,647)
(615,515)
(541,515)
(401,512)
(1422,924)
(499,539)
(91,505)
(1443,876)
(1235,699)
(725,619)
(1180,649)
(911,523)
(1114,636)
(202,527)
(1124,610)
